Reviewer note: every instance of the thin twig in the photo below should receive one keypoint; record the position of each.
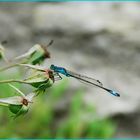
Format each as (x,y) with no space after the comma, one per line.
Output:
(9,66)
(13,81)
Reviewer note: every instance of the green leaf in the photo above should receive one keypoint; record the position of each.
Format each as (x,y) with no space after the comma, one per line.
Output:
(15,108)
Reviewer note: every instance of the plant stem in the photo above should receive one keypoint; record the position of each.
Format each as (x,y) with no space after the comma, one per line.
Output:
(5,59)
(2,104)
(13,81)
(8,67)
(11,66)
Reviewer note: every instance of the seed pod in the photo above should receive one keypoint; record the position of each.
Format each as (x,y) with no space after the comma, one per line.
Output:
(2,52)
(40,80)
(18,108)
(39,55)
(18,105)
(36,55)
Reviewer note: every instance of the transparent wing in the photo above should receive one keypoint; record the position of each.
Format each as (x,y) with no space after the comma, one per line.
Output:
(92,81)
(84,79)
(57,77)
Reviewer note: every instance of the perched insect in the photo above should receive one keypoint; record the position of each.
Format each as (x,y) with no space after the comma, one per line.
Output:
(56,71)
(83,78)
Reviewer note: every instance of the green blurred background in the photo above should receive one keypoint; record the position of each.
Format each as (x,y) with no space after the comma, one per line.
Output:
(47,117)
(97,39)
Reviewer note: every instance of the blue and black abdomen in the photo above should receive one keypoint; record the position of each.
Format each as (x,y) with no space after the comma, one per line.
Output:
(82,78)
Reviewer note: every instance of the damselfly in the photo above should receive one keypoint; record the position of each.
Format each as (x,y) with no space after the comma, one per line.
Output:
(55,71)
(83,78)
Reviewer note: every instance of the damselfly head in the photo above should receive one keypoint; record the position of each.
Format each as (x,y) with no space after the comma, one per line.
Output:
(52,67)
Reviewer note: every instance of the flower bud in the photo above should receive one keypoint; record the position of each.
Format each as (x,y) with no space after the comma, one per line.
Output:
(40,78)
(18,105)
(41,81)
(18,109)
(39,55)
(2,52)
(36,55)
